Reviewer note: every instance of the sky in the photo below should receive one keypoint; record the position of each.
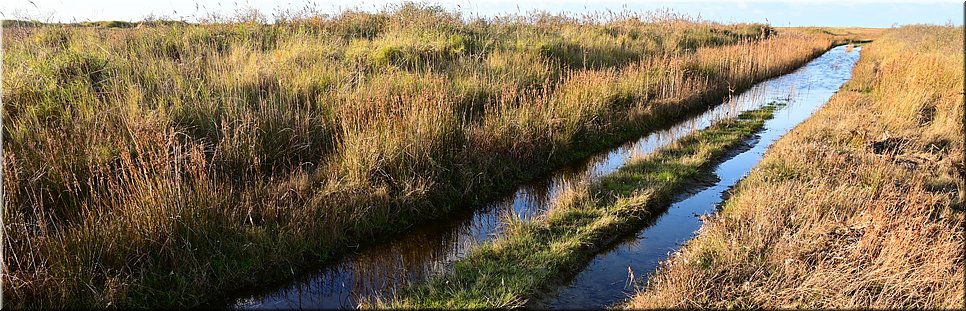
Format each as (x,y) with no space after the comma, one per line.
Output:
(863,13)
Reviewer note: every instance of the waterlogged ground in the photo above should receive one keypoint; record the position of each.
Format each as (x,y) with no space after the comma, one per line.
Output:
(376,271)
(611,276)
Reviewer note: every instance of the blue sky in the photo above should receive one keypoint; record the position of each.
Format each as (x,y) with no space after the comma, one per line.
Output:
(776,12)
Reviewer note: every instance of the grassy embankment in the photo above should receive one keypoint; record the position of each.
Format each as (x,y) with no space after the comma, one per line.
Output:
(861,206)
(532,255)
(165,164)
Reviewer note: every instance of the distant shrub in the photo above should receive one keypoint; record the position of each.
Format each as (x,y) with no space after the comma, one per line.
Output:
(53,37)
(458,44)
(116,24)
(11,23)
(358,24)
(108,24)
(388,55)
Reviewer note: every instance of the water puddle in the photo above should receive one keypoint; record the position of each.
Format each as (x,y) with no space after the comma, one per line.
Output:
(378,270)
(606,279)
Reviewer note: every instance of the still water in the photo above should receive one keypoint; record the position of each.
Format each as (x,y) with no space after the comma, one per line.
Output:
(377,270)
(606,279)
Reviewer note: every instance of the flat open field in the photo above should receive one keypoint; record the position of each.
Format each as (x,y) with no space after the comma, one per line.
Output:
(170,164)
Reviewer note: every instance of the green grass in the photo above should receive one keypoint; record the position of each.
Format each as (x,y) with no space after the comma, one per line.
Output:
(535,255)
(169,163)
(830,219)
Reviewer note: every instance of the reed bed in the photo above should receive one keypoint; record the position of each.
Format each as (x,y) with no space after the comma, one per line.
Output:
(861,206)
(166,163)
(531,257)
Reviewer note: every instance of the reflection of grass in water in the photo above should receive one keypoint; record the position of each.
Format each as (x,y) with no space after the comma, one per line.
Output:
(165,164)
(534,255)
(844,211)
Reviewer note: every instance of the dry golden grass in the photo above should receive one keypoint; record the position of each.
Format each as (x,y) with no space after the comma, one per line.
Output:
(168,163)
(531,256)
(861,206)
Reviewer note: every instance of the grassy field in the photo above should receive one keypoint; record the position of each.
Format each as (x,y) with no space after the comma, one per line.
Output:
(861,206)
(167,163)
(531,256)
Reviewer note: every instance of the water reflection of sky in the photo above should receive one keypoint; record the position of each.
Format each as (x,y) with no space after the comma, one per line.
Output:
(425,251)
(605,279)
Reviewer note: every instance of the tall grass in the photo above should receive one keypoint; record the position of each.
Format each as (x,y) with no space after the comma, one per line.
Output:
(532,256)
(166,163)
(859,207)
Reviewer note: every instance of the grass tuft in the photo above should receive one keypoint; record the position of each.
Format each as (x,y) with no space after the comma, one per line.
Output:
(858,207)
(166,164)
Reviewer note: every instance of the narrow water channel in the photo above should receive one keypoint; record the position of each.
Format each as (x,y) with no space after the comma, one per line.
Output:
(607,279)
(377,270)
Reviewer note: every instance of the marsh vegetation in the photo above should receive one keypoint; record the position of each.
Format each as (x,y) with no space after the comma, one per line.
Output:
(860,207)
(167,163)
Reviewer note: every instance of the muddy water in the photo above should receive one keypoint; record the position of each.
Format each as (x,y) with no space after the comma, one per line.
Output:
(376,271)
(607,279)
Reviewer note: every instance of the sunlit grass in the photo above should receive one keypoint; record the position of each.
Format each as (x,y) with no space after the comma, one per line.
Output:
(167,163)
(532,256)
(859,207)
